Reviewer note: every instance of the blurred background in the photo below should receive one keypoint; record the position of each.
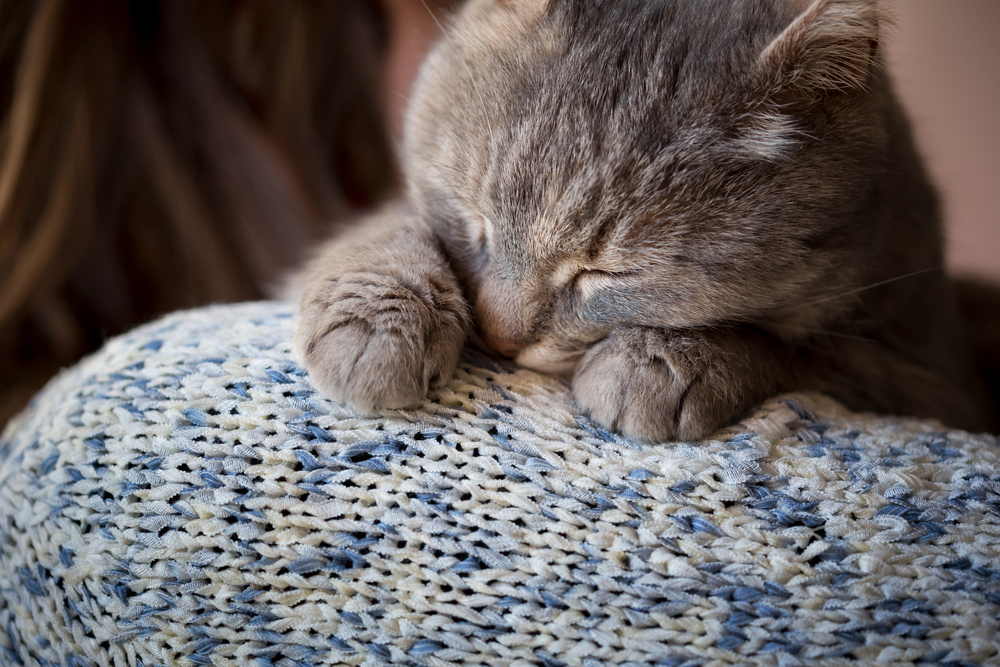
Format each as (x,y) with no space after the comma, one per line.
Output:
(945,56)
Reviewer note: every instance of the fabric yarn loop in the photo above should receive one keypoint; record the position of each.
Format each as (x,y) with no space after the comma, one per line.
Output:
(185,497)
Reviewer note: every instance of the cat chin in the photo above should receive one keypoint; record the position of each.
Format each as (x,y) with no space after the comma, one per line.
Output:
(548,358)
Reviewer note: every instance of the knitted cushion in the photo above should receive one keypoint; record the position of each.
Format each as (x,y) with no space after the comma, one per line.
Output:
(184,497)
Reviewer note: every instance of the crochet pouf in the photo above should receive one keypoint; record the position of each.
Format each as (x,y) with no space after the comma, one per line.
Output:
(185,497)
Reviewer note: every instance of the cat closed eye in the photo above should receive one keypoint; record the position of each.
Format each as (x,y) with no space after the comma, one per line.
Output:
(587,281)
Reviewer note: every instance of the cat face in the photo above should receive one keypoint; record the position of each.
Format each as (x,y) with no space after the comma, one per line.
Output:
(664,163)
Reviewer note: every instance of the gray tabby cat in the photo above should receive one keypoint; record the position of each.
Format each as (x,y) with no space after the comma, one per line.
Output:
(683,205)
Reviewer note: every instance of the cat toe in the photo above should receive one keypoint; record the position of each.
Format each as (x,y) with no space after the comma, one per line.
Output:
(650,388)
(627,394)
(364,369)
(376,350)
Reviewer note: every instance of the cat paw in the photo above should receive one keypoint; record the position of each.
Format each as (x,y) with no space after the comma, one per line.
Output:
(375,342)
(655,385)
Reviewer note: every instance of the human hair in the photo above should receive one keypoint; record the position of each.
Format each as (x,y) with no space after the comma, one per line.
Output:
(158,155)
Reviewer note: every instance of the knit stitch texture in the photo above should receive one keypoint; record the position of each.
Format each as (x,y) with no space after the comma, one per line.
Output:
(185,497)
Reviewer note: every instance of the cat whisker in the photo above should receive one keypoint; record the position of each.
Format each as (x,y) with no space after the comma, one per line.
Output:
(852,292)
(446,196)
(834,334)
(465,206)
(453,202)
(396,92)
(444,165)
(472,78)
(455,137)
(435,192)
(803,133)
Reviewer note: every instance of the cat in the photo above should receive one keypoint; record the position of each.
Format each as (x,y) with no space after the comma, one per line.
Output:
(683,206)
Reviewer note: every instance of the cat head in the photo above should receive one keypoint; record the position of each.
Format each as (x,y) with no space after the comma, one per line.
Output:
(672,163)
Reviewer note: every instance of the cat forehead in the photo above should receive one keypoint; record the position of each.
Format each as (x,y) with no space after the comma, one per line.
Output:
(697,53)
(635,101)
(667,31)
(589,57)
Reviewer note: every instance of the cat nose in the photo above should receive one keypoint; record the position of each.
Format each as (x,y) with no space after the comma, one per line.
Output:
(507,348)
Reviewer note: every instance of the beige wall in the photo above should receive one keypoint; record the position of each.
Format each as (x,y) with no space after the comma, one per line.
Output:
(945,56)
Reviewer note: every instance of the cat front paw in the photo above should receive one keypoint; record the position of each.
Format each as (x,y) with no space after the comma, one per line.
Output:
(656,385)
(375,342)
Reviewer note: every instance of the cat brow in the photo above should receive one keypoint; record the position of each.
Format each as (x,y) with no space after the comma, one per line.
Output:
(597,242)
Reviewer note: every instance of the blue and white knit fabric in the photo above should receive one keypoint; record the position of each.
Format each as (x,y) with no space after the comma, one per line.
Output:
(184,497)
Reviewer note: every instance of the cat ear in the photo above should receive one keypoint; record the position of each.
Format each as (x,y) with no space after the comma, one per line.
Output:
(830,47)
